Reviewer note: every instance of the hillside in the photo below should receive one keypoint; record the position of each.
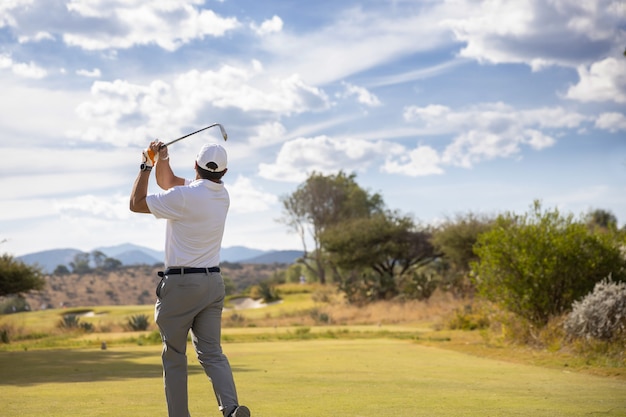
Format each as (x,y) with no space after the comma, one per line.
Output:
(128,285)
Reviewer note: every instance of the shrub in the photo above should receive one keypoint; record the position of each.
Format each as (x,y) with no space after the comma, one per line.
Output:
(5,334)
(138,322)
(86,327)
(601,314)
(69,321)
(469,318)
(13,304)
(420,285)
(320,317)
(266,291)
(538,264)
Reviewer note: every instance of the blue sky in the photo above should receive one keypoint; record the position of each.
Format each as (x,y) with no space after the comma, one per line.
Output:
(442,107)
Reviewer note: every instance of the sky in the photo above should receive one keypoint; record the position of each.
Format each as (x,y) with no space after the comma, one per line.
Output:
(443,107)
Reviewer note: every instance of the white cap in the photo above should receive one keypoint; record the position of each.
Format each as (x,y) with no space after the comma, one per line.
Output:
(212,157)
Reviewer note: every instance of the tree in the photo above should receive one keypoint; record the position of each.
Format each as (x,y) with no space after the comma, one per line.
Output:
(456,238)
(111,264)
(80,264)
(322,202)
(61,270)
(375,253)
(538,264)
(602,219)
(98,258)
(16,277)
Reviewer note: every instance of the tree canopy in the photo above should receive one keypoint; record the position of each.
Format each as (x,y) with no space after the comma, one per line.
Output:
(376,252)
(16,277)
(322,202)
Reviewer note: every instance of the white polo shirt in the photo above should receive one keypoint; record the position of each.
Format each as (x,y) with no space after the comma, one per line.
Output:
(196,214)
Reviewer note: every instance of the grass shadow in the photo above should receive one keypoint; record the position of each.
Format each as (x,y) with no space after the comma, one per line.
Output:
(49,366)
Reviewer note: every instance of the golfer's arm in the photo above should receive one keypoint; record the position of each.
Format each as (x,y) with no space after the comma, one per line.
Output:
(165,176)
(138,195)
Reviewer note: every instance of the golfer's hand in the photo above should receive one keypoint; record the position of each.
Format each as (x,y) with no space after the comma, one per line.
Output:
(150,154)
(161,151)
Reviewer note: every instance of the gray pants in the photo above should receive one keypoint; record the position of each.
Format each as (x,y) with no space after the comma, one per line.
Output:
(193,302)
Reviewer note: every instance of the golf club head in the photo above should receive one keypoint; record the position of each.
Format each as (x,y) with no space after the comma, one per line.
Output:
(224,135)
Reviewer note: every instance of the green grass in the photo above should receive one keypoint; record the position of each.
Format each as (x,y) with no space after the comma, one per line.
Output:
(360,378)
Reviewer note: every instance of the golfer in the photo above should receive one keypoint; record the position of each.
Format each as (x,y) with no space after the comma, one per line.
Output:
(190,295)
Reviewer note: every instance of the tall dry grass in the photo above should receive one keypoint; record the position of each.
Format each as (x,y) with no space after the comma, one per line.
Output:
(330,308)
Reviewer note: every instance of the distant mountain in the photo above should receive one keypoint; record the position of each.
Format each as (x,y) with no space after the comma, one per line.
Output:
(129,254)
(126,250)
(137,257)
(239,253)
(48,260)
(275,257)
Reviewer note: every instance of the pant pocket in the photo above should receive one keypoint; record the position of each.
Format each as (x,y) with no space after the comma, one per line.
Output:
(160,285)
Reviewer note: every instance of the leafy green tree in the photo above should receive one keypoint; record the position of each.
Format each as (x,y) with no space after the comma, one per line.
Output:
(80,264)
(111,264)
(536,265)
(376,253)
(455,239)
(322,202)
(16,277)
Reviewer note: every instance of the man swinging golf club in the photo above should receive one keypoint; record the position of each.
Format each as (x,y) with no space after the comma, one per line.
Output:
(190,295)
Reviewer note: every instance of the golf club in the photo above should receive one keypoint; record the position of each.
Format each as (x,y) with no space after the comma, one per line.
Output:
(224,135)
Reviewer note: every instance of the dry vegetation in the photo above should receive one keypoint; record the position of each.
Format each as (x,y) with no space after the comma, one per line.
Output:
(334,310)
(127,286)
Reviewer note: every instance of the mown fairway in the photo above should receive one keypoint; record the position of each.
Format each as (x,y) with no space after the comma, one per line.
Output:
(364,378)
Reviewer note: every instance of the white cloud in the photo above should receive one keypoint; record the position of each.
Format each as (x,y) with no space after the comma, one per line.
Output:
(8,9)
(25,70)
(268,134)
(362,94)
(538,32)
(121,109)
(298,158)
(37,37)
(250,91)
(168,24)
(95,73)
(91,206)
(245,198)
(273,25)
(612,122)
(602,81)
(420,161)
(492,130)
(355,40)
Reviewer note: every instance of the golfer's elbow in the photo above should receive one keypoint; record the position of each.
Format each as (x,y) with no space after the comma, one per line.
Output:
(139,205)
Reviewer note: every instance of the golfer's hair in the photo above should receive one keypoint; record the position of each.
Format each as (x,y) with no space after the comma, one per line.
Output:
(210,175)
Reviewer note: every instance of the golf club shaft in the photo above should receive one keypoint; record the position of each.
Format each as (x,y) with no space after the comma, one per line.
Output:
(224,135)
(198,131)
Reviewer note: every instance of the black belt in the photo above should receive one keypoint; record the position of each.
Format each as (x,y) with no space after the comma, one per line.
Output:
(178,271)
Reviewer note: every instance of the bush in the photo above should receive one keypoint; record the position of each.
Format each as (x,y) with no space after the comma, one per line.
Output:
(420,285)
(139,322)
(13,304)
(601,314)
(266,291)
(538,264)
(5,334)
(469,318)
(69,321)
